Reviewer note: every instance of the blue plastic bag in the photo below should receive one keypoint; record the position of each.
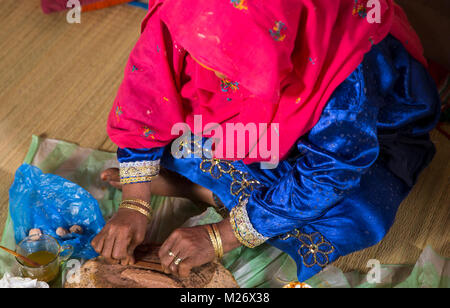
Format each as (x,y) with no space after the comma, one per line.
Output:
(48,201)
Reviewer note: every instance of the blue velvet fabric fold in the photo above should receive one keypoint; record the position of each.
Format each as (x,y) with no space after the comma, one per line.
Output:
(126,155)
(340,189)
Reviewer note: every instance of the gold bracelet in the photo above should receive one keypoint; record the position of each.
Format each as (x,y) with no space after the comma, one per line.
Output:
(213,239)
(219,241)
(138,201)
(129,206)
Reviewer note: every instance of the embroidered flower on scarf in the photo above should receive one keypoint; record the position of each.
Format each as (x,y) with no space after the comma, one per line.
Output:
(240,4)
(147,132)
(227,85)
(119,112)
(359,9)
(277,32)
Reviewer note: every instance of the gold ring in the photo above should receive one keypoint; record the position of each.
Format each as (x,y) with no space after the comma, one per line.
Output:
(177,261)
(171,254)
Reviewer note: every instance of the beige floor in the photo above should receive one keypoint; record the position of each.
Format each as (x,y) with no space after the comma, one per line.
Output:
(59,80)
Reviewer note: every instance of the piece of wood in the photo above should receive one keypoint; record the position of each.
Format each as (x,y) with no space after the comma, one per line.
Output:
(96,274)
(147,273)
(149,265)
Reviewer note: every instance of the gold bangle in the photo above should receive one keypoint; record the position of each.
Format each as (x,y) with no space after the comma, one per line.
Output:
(133,180)
(219,241)
(138,201)
(148,214)
(213,239)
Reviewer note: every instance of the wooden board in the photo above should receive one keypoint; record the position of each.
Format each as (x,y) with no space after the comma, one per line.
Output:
(99,274)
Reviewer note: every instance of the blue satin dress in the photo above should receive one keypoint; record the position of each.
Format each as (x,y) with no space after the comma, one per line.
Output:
(339,190)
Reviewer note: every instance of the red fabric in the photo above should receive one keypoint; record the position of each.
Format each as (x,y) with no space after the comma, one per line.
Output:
(286,56)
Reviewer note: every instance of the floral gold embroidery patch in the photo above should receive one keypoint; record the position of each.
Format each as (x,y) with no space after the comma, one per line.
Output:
(242,185)
(216,167)
(314,249)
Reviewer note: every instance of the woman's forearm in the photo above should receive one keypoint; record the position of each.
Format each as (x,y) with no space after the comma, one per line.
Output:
(140,191)
(229,240)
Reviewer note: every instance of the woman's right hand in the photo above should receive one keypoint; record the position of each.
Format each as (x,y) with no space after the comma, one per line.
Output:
(121,235)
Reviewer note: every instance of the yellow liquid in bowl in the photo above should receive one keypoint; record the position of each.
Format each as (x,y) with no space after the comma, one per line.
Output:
(41,257)
(48,270)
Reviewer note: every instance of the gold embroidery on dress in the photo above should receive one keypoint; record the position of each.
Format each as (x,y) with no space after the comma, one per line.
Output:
(241,185)
(314,248)
(216,167)
(189,147)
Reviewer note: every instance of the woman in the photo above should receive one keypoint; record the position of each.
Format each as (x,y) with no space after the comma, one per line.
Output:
(343,82)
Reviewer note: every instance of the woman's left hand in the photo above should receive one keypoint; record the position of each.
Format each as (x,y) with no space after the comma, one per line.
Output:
(193,246)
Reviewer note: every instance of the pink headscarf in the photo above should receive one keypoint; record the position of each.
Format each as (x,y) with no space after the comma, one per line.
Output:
(283,60)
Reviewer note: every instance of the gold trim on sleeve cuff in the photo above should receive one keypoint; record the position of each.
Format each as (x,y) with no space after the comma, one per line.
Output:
(137,172)
(243,228)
